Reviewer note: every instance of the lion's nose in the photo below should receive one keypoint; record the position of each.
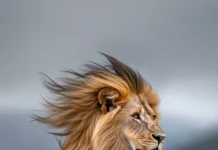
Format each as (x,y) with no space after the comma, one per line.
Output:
(159,138)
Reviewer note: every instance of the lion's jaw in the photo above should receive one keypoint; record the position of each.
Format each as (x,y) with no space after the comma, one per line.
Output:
(118,129)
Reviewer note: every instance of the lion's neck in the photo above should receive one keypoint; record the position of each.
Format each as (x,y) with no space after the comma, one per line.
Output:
(107,135)
(81,134)
(100,134)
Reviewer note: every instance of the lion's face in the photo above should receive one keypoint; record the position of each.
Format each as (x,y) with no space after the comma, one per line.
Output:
(140,125)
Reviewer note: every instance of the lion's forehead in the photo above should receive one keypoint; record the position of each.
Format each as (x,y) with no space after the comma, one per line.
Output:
(140,105)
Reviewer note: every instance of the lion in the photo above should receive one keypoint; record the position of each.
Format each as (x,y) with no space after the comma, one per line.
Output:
(106,107)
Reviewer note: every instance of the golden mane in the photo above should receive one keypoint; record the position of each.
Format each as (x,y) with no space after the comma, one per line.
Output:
(77,110)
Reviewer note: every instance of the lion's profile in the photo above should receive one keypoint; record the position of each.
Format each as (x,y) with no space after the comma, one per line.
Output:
(107,107)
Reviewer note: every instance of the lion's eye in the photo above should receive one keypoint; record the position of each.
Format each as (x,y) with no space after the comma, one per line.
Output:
(136,116)
(154,117)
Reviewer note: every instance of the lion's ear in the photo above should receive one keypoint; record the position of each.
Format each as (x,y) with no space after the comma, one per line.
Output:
(108,98)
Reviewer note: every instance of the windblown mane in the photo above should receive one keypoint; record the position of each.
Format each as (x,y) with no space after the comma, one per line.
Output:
(76,109)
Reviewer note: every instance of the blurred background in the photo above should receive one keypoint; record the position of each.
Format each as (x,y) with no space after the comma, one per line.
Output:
(173,44)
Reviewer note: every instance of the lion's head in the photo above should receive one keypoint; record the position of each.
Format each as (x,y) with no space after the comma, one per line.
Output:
(105,107)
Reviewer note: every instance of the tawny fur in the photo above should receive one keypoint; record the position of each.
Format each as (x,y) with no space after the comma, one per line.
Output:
(78,110)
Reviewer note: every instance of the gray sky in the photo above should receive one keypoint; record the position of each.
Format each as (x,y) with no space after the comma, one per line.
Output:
(172,43)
